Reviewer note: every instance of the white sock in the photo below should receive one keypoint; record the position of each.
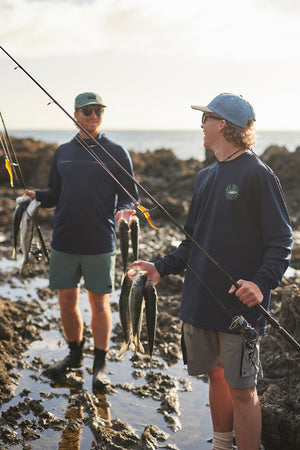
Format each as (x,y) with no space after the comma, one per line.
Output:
(222,441)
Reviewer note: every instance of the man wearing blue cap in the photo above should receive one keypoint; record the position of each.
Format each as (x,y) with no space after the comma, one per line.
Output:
(238,216)
(88,202)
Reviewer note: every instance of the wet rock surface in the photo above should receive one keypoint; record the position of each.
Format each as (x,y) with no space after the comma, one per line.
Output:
(23,321)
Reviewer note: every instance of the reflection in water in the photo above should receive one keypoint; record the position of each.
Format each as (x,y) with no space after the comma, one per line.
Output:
(70,438)
(103,408)
(71,435)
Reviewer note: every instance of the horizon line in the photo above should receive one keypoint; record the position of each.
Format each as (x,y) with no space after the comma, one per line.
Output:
(149,129)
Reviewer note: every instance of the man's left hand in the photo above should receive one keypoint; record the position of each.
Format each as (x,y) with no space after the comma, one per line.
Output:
(248,293)
(125,214)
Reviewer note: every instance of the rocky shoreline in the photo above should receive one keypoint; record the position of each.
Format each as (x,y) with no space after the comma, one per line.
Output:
(170,180)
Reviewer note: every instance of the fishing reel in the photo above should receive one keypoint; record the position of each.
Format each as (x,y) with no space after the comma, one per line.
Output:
(250,334)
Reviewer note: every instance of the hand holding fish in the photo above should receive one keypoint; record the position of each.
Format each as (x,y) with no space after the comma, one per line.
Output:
(30,194)
(153,274)
(248,293)
(125,214)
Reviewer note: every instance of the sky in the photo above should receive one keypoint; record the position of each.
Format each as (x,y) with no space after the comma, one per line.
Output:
(149,59)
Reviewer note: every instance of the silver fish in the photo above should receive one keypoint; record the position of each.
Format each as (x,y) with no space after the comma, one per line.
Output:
(27,231)
(150,297)
(134,234)
(17,217)
(124,241)
(124,313)
(136,306)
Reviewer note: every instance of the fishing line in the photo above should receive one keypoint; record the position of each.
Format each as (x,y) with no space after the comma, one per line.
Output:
(263,311)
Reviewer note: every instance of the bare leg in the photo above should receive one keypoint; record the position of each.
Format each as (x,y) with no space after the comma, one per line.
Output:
(221,406)
(73,328)
(70,314)
(247,418)
(101,319)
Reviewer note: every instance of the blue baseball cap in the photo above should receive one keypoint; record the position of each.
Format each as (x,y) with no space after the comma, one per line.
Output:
(234,108)
(88,98)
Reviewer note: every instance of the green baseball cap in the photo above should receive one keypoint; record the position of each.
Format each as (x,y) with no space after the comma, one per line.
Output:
(88,98)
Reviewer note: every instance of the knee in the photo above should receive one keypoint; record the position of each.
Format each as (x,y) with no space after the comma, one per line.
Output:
(99,303)
(68,299)
(216,375)
(245,396)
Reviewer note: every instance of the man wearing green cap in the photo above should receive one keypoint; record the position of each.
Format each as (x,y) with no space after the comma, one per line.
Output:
(88,202)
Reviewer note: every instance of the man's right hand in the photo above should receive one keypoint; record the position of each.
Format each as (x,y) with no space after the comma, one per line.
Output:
(153,274)
(31,194)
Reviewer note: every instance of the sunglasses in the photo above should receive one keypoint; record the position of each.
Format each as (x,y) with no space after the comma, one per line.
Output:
(89,111)
(206,115)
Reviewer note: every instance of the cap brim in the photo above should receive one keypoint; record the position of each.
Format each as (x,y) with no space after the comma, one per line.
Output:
(202,108)
(89,104)
(94,103)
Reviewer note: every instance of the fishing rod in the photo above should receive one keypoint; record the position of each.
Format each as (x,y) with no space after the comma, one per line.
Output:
(259,307)
(13,156)
(14,164)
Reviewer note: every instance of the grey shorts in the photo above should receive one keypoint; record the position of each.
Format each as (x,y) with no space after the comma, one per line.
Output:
(206,349)
(67,269)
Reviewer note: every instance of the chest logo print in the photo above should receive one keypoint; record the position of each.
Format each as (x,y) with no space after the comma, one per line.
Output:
(232,192)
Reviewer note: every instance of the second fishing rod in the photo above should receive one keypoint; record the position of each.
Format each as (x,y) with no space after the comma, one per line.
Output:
(16,168)
(261,310)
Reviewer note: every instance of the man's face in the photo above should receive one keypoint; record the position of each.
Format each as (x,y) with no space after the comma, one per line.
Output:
(90,118)
(210,125)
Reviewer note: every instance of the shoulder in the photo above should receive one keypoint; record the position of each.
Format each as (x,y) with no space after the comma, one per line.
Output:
(115,149)
(206,172)
(259,168)
(66,146)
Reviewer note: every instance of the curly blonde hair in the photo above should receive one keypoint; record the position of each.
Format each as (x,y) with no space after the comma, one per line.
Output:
(242,137)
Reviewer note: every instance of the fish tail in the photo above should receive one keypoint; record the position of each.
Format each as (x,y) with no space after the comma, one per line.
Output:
(124,348)
(141,348)
(138,346)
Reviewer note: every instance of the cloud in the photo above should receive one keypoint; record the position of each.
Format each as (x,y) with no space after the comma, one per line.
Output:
(45,28)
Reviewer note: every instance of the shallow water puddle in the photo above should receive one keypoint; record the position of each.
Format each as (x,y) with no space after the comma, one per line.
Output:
(131,409)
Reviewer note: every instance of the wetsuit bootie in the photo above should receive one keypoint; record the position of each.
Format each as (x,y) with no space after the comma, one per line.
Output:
(73,360)
(100,377)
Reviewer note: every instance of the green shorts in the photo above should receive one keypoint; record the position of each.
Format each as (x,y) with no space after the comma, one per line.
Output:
(67,269)
(206,349)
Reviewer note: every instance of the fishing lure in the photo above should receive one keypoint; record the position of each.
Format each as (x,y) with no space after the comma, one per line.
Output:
(9,170)
(146,214)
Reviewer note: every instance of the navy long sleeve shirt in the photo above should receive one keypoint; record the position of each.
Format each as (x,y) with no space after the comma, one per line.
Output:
(238,215)
(86,196)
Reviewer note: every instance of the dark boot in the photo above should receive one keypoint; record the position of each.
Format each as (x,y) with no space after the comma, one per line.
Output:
(73,359)
(100,377)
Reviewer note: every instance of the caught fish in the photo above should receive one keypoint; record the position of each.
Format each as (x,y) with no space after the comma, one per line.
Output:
(150,297)
(17,217)
(134,234)
(124,313)
(136,306)
(124,241)
(27,231)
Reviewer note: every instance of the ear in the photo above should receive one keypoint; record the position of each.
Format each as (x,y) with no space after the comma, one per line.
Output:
(222,125)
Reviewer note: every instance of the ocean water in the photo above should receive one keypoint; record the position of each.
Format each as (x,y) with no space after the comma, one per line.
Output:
(185,144)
